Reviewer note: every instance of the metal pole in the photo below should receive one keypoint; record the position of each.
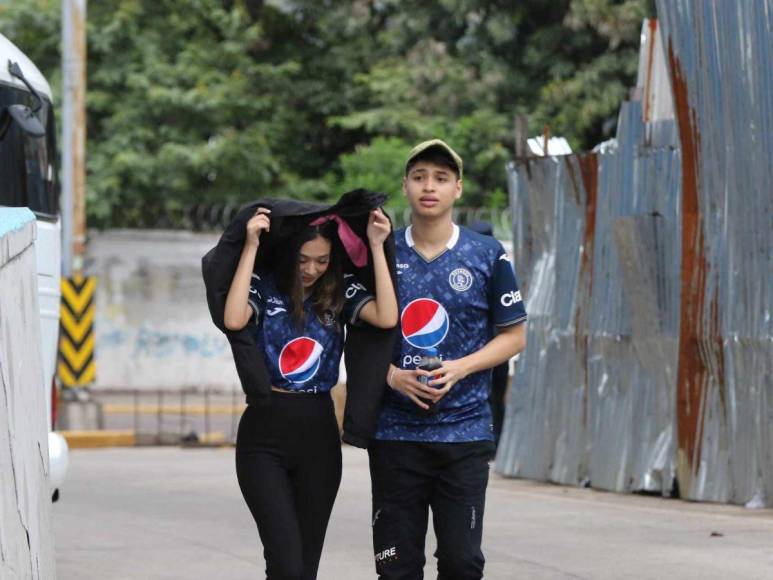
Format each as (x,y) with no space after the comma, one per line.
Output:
(182,415)
(73,135)
(136,414)
(159,416)
(521,136)
(206,414)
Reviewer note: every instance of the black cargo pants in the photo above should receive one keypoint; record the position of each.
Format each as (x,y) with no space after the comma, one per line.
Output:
(408,478)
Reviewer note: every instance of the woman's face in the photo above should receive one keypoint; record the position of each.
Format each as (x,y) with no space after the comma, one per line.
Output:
(313,260)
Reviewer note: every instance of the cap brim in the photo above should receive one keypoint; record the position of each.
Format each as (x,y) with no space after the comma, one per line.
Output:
(436,144)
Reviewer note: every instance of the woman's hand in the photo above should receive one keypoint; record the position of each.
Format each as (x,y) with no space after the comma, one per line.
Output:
(381,312)
(378,227)
(257,224)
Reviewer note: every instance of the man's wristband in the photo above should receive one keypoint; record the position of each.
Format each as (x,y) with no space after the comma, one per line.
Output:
(391,377)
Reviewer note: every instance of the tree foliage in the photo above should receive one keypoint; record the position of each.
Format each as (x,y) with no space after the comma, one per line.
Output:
(227,100)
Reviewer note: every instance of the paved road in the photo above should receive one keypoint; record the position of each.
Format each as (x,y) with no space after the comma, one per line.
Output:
(168,513)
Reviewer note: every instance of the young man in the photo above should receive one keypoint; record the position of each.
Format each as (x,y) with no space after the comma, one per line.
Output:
(434,440)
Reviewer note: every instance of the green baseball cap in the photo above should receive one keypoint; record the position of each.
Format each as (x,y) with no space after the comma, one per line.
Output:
(421,147)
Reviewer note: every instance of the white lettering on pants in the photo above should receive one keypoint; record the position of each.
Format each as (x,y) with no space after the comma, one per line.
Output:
(388,553)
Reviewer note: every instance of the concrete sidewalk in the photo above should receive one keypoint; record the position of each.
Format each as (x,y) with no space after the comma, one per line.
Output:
(168,513)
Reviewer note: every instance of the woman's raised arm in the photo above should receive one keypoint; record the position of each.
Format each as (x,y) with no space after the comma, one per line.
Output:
(237,308)
(381,312)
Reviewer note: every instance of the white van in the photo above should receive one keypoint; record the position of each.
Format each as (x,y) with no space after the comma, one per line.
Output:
(29,178)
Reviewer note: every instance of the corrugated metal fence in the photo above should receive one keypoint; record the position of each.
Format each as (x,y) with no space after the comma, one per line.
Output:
(647,269)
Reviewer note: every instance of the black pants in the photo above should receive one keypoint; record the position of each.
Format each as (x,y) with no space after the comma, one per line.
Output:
(499,383)
(288,462)
(407,479)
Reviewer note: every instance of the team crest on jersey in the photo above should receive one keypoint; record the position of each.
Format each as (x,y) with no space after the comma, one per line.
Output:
(328,318)
(460,279)
(300,359)
(424,323)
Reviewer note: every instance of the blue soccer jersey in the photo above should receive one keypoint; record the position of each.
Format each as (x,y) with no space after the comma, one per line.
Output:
(452,303)
(302,359)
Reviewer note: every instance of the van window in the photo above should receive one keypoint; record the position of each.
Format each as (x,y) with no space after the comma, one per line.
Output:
(28,165)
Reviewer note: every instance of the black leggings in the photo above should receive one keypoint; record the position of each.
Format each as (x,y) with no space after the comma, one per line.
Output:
(288,463)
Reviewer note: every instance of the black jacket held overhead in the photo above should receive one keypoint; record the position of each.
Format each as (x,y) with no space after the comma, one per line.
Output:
(367,351)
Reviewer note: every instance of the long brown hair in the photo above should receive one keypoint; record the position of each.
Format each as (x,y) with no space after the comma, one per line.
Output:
(327,294)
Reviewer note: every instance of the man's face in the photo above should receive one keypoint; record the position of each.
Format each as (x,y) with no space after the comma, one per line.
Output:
(431,189)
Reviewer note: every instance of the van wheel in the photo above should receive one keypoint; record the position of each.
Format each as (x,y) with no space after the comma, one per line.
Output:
(55,497)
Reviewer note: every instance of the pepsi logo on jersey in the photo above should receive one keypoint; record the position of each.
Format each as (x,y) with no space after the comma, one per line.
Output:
(300,359)
(414,360)
(424,323)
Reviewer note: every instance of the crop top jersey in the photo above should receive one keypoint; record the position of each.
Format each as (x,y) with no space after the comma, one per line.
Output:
(306,359)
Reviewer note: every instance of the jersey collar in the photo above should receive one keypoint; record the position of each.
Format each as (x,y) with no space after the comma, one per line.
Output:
(450,244)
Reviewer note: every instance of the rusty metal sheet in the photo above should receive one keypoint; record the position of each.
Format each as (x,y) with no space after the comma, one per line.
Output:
(646,270)
(720,58)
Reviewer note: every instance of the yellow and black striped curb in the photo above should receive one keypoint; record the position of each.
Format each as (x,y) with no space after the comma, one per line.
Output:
(77,367)
(127,438)
(153,409)
(91,439)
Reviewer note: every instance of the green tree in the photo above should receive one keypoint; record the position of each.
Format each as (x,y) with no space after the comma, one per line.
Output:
(226,100)
(460,70)
(178,107)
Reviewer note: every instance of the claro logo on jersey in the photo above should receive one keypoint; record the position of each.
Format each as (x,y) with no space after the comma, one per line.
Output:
(510,298)
(352,290)
(424,323)
(300,359)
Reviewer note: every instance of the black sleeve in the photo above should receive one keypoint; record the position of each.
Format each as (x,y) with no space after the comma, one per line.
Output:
(355,297)
(505,301)
(257,297)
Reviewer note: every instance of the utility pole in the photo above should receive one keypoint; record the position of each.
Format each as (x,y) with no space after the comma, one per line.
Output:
(521,136)
(73,136)
(77,364)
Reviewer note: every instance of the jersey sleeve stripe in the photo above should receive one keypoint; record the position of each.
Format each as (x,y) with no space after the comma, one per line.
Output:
(358,307)
(512,322)
(254,307)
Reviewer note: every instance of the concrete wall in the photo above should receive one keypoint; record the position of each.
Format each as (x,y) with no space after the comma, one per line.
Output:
(153,329)
(26,543)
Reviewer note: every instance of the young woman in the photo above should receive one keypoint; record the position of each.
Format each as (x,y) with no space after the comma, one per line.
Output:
(288,454)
